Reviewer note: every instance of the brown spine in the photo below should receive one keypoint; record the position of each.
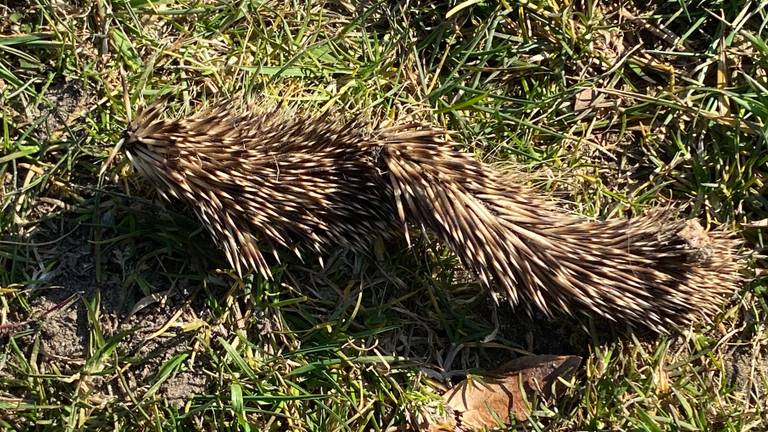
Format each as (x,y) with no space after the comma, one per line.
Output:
(643,270)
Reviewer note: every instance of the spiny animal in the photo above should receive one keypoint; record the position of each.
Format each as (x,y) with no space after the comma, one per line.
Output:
(269,179)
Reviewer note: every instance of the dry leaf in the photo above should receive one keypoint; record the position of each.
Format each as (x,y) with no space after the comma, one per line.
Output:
(487,401)
(584,99)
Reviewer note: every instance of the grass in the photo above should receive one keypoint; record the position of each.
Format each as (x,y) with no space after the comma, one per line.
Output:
(117,313)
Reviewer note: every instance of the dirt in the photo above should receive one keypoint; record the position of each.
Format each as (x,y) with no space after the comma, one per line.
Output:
(747,371)
(60,307)
(64,336)
(64,100)
(178,388)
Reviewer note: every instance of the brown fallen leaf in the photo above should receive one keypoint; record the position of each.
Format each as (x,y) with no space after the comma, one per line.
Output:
(488,401)
(584,99)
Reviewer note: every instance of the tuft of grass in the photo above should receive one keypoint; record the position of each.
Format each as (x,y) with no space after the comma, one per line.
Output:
(116,312)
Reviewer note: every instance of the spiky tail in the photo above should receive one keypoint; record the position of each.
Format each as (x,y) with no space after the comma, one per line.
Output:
(649,270)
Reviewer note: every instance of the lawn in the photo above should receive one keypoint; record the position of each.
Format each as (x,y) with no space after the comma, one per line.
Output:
(117,312)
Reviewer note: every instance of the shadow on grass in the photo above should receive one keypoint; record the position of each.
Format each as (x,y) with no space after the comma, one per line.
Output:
(123,276)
